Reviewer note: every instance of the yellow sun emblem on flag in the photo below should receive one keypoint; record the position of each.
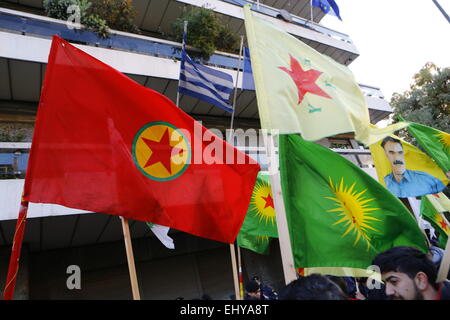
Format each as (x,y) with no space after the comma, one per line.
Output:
(444,138)
(262,202)
(262,239)
(354,208)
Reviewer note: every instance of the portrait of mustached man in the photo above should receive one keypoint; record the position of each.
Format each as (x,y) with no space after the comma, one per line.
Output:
(402,182)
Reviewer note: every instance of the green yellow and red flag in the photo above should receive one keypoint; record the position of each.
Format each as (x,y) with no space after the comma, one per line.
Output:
(259,225)
(433,211)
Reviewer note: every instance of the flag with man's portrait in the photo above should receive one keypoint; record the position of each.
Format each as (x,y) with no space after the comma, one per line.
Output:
(417,165)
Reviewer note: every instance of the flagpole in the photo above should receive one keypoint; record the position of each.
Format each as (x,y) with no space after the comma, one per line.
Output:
(311,8)
(232,249)
(130,258)
(183,47)
(235,90)
(445,263)
(287,258)
(235,271)
(13,268)
(241,280)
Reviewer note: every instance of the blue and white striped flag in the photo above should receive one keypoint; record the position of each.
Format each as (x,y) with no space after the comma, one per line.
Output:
(205,83)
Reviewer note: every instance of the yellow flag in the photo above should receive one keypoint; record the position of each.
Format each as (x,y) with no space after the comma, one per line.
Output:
(405,170)
(299,90)
(439,201)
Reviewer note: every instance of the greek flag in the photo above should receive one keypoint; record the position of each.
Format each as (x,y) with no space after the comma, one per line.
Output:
(205,83)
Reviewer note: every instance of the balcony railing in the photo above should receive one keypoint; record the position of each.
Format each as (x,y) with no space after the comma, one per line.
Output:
(14,157)
(28,24)
(275,13)
(370,91)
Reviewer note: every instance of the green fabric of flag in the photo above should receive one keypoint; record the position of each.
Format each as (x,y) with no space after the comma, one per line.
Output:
(432,215)
(435,142)
(259,225)
(338,215)
(258,244)
(261,219)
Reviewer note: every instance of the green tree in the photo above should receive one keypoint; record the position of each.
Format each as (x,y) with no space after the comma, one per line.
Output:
(206,32)
(96,15)
(427,101)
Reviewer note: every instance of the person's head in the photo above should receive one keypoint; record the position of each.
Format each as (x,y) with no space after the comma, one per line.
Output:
(407,273)
(313,287)
(394,152)
(340,281)
(253,289)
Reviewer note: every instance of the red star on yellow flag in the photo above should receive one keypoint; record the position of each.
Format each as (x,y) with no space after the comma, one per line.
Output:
(162,151)
(304,80)
(269,201)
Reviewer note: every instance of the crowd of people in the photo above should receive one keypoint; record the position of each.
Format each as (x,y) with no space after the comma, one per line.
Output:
(406,272)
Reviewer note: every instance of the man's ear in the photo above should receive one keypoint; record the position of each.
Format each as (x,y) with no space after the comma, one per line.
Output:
(421,280)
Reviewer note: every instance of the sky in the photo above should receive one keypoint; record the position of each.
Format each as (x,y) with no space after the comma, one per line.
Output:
(395,38)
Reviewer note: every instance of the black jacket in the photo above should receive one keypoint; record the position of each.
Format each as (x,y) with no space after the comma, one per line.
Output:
(445,290)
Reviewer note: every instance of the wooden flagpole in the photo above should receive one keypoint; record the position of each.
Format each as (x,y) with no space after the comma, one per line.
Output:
(183,47)
(235,91)
(232,249)
(235,271)
(287,258)
(445,264)
(130,258)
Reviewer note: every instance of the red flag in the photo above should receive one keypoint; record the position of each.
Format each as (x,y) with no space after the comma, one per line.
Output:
(104,143)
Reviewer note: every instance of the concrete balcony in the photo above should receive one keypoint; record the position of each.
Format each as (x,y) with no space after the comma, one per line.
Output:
(154,18)
(152,62)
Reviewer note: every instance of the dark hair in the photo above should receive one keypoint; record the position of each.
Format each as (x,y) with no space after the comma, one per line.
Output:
(407,260)
(313,287)
(340,281)
(390,139)
(252,286)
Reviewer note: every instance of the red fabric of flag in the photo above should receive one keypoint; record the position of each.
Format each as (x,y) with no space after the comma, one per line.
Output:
(104,143)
